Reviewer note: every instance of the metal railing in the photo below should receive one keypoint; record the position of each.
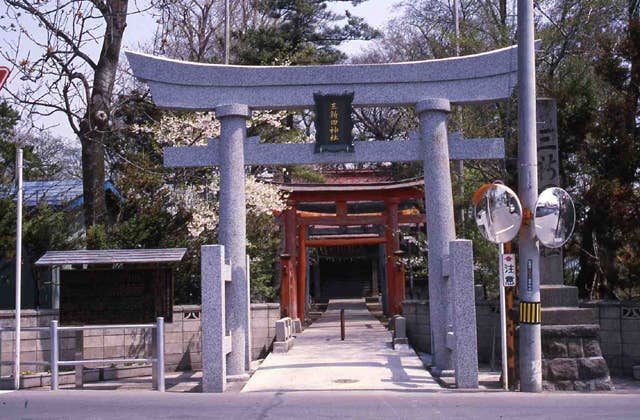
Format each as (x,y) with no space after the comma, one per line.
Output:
(55,362)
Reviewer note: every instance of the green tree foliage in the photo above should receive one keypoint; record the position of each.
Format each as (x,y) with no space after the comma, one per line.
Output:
(8,119)
(300,32)
(595,79)
(263,242)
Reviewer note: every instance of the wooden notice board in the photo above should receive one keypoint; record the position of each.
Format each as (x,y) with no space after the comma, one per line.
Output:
(115,296)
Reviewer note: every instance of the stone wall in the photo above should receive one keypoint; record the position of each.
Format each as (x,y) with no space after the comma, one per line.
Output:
(182,338)
(619,334)
(572,359)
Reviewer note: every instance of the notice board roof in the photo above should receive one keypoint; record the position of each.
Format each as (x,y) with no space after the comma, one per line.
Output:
(112,256)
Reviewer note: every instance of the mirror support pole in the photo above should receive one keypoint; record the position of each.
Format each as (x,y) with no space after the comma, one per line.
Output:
(433,114)
(503,320)
(530,331)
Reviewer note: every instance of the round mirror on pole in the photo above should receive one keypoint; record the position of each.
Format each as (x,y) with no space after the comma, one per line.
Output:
(554,217)
(498,213)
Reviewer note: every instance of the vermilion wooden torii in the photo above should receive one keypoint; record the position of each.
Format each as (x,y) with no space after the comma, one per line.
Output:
(293,263)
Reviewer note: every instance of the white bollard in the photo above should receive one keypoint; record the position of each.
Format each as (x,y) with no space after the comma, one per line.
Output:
(53,360)
(160,353)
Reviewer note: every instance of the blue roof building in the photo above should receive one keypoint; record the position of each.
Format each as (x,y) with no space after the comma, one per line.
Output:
(65,193)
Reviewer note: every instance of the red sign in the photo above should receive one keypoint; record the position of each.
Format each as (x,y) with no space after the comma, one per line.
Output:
(4,75)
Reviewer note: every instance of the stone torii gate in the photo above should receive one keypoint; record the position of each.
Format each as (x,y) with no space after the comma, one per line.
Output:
(430,87)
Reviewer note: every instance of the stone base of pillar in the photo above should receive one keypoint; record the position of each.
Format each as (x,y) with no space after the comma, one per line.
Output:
(283,346)
(243,377)
(439,373)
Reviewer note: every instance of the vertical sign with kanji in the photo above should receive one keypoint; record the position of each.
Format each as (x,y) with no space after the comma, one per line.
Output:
(333,122)
(551,265)
(509,270)
(547,133)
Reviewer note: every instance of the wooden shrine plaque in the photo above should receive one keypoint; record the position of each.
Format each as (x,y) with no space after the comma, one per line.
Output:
(120,296)
(333,122)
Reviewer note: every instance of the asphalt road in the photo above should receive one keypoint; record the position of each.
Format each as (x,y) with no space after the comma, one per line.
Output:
(84,404)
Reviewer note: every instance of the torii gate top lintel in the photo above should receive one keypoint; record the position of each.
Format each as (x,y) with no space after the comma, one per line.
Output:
(181,85)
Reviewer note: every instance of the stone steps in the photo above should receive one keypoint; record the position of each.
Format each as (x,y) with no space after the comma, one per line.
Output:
(558,295)
(568,316)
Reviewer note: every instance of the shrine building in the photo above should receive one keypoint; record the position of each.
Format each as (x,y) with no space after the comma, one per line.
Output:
(343,241)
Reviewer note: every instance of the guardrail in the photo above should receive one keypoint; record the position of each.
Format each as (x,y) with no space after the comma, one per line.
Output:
(54,357)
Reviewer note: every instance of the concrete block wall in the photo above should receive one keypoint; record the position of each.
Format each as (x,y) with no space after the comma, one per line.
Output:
(183,338)
(416,313)
(619,334)
(263,327)
(34,345)
(487,327)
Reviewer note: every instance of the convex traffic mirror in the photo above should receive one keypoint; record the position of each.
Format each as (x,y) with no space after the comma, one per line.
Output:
(498,213)
(554,218)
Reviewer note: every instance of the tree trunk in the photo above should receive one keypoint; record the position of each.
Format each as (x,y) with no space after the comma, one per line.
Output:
(634,61)
(96,124)
(93,179)
(587,269)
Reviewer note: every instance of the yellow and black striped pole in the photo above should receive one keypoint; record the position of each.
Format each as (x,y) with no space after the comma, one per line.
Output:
(530,313)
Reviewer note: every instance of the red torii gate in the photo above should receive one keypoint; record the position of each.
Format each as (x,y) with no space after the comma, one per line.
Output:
(296,222)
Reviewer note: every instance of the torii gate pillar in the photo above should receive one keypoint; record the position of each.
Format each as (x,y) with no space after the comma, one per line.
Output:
(440,222)
(232,230)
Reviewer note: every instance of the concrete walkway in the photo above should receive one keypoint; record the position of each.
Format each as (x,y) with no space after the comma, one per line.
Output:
(319,360)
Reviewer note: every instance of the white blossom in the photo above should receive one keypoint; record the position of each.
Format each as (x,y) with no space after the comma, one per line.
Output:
(263,197)
(187,129)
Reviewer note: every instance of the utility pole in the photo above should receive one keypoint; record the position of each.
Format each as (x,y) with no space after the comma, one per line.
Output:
(16,348)
(456,22)
(530,337)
